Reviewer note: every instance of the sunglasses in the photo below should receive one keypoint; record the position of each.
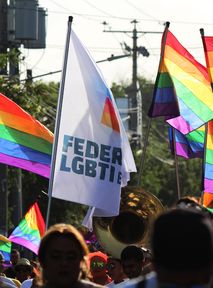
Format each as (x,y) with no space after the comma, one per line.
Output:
(96,264)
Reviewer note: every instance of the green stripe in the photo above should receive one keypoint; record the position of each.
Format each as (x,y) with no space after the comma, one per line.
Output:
(164,80)
(191,101)
(209,156)
(24,227)
(196,136)
(6,247)
(210,209)
(25,139)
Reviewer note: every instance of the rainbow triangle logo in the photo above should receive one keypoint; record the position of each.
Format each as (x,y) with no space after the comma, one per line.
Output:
(109,117)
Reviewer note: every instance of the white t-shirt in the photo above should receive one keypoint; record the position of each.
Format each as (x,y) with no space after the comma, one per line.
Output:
(151,281)
(27,283)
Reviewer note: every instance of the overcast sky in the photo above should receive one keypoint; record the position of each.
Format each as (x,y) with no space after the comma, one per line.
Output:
(186,17)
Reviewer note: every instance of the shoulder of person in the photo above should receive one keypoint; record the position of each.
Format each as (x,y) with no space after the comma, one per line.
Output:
(6,282)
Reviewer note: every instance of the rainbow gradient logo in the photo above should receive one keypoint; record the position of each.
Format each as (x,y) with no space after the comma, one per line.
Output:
(109,117)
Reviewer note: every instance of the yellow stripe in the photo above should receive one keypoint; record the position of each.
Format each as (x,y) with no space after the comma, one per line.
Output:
(201,91)
(209,144)
(27,126)
(184,64)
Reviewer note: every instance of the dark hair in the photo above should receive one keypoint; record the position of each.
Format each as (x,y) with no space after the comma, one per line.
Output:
(132,252)
(61,230)
(182,239)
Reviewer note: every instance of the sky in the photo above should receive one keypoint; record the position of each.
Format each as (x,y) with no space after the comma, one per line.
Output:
(186,17)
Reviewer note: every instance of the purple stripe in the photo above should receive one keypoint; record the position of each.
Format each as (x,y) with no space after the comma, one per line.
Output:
(180,124)
(34,167)
(185,151)
(182,150)
(163,109)
(21,241)
(208,185)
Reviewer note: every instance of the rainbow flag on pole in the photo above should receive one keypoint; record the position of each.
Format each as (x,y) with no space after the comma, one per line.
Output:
(182,90)
(30,230)
(207,196)
(24,142)
(5,247)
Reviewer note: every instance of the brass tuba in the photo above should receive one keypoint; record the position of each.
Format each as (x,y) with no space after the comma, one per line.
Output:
(138,209)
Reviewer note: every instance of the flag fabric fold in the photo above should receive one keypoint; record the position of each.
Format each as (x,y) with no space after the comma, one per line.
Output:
(24,142)
(30,230)
(182,89)
(208,52)
(208,170)
(187,146)
(93,158)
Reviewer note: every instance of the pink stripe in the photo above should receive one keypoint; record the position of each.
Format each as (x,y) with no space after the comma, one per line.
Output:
(25,243)
(34,167)
(208,185)
(180,124)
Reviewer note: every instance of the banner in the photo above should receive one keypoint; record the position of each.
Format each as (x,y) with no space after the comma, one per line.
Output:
(92,157)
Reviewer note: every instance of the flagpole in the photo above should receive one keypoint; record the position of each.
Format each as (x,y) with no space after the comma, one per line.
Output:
(176,163)
(144,152)
(58,119)
(149,123)
(206,124)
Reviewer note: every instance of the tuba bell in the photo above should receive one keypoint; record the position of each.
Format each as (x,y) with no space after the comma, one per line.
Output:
(138,209)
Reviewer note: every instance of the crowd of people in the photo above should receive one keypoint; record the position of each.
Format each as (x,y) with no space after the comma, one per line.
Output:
(180,255)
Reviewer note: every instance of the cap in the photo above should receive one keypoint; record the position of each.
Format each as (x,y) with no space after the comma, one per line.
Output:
(23,262)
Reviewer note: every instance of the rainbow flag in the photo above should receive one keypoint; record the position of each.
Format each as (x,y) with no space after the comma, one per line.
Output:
(24,142)
(30,230)
(182,90)
(5,247)
(190,145)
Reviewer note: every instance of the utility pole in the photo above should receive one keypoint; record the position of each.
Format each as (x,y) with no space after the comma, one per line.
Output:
(3,168)
(132,91)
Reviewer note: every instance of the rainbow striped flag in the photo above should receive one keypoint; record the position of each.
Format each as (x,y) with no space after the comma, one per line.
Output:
(182,90)
(5,247)
(30,230)
(24,142)
(190,145)
(207,197)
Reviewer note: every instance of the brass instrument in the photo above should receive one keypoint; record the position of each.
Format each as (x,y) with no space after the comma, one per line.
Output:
(138,209)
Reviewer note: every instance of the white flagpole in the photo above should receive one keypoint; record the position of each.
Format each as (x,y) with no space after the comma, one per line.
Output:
(58,119)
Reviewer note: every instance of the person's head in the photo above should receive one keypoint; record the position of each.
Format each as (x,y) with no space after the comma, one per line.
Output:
(132,258)
(14,256)
(61,255)
(115,270)
(23,269)
(1,263)
(97,263)
(182,245)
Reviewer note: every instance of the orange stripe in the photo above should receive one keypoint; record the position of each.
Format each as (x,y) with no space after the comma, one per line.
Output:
(26,125)
(184,64)
(210,59)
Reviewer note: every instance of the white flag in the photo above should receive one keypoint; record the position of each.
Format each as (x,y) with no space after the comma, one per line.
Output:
(93,157)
